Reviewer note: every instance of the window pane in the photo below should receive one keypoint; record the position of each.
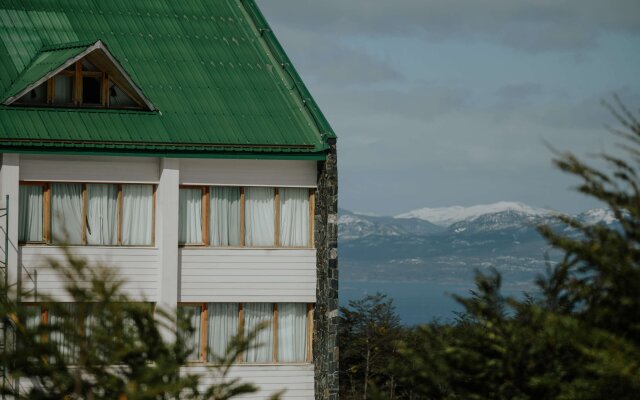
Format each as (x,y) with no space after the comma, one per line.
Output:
(292,332)
(261,347)
(30,213)
(63,92)
(102,214)
(37,95)
(225,216)
(191,339)
(223,326)
(137,215)
(63,317)
(91,90)
(294,217)
(118,98)
(260,216)
(66,213)
(190,216)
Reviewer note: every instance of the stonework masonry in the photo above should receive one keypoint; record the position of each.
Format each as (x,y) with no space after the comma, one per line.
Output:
(325,346)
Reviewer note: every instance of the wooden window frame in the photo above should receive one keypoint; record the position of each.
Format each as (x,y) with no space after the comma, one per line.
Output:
(204,332)
(47,206)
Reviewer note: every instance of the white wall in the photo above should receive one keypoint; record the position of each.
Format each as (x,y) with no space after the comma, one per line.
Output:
(138,266)
(247,275)
(295,379)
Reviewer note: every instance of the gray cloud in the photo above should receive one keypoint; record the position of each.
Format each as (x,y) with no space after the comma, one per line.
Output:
(533,26)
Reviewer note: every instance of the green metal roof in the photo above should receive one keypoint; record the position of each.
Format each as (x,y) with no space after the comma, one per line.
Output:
(219,79)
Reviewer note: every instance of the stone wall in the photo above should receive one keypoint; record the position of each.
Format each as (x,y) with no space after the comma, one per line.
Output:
(325,347)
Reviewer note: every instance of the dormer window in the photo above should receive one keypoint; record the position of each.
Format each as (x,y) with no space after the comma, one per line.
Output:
(86,76)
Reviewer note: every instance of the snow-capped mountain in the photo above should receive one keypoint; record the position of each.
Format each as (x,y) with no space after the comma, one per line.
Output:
(353,225)
(447,216)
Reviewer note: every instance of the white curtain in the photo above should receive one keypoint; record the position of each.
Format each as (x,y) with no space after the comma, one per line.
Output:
(30,213)
(261,348)
(66,213)
(294,217)
(292,332)
(190,216)
(32,317)
(102,214)
(61,335)
(192,340)
(223,326)
(260,216)
(137,215)
(225,216)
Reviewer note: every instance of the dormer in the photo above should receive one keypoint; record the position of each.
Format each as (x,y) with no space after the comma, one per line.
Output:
(76,76)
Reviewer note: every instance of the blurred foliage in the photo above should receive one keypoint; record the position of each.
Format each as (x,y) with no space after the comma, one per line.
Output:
(578,338)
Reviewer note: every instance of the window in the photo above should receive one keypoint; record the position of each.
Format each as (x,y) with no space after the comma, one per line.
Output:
(94,214)
(246,216)
(286,337)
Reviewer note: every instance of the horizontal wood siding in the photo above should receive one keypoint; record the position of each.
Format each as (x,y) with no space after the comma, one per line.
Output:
(89,169)
(137,266)
(248,172)
(247,275)
(296,379)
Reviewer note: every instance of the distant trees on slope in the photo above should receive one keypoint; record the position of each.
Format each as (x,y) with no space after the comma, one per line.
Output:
(578,338)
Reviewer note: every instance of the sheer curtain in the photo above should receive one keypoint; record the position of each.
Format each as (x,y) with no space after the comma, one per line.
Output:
(102,214)
(225,216)
(66,213)
(223,326)
(292,332)
(60,336)
(260,216)
(30,213)
(294,217)
(190,216)
(192,339)
(261,347)
(137,215)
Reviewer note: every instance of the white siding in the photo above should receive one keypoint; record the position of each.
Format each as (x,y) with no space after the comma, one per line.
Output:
(138,266)
(295,379)
(248,172)
(89,169)
(247,275)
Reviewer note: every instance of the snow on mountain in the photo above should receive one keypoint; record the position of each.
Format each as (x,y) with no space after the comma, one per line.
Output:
(447,216)
(597,216)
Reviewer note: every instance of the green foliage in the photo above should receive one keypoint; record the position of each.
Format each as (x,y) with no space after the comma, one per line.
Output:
(579,338)
(132,352)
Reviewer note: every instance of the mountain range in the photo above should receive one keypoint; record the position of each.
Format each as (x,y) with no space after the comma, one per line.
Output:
(449,244)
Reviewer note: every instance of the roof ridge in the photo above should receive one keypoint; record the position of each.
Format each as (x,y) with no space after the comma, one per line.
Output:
(68,45)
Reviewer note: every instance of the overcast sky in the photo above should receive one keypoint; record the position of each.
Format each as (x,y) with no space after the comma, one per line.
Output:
(450,102)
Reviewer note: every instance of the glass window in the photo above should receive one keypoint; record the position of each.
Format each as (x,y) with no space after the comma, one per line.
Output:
(137,215)
(294,217)
(292,332)
(91,90)
(260,216)
(225,216)
(222,328)
(191,338)
(30,213)
(66,213)
(102,214)
(63,90)
(190,216)
(261,347)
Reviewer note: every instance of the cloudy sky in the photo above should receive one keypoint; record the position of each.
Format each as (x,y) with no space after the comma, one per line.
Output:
(450,102)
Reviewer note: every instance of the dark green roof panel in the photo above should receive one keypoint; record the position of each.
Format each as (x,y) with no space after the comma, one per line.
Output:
(212,68)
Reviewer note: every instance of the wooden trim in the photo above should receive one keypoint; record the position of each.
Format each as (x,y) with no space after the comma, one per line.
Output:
(242,239)
(67,72)
(153,216)
(312,211)
(50,90)
(275,332)
(310,332)
(46,211)
(84,213)
(104,93)
(241,327)
(77,100)
(204,327)
(277,206)
(44,320)
(205,215)
(92,74)
(120,214)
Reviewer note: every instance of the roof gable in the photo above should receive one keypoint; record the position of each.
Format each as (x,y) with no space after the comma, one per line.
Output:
(52,60)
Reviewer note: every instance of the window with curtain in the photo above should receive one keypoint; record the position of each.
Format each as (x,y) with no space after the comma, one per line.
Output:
(66,213)
(294,217)
(260,216)
(63,329)
(261,347)
(137,215)
(30,213)
(191,338)
(102,214)
(190,216)
(292,332)
(222,327)
(225,216)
